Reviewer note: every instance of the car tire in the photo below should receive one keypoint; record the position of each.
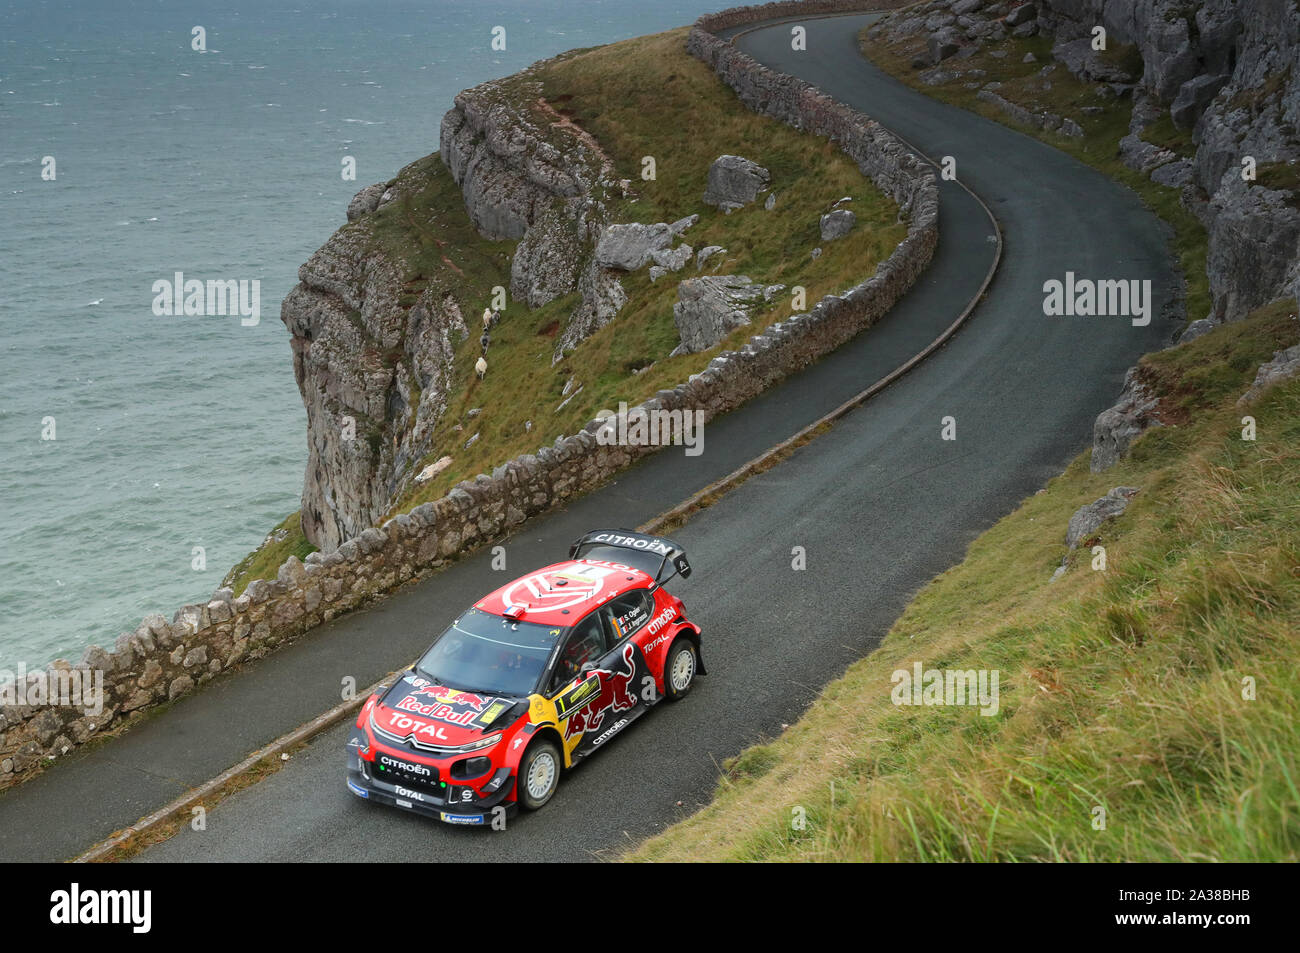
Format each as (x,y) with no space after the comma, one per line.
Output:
(680,666)
(539,774)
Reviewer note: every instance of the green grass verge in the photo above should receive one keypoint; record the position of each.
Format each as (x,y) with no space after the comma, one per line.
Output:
(1164,690)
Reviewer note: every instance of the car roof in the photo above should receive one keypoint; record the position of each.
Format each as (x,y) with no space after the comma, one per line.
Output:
(562,593)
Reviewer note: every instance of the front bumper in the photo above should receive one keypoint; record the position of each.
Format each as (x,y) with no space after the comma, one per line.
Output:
(448,805)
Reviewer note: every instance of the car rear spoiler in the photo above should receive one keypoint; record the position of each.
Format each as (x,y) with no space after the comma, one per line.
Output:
(655,553)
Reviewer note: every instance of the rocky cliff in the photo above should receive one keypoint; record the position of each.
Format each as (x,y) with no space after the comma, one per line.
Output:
(1224,71)
(373,362)
(374,327)
(520,196)
(529,173)
(1229,71)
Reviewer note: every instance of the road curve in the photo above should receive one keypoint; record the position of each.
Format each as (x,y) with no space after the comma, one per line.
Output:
(880,503)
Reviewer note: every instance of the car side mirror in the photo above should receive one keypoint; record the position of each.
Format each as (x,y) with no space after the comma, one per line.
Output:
(682,566)
(587,668)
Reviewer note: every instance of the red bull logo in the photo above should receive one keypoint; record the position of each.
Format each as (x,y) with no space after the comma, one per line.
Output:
(450,705)
(615,695)
(453,696)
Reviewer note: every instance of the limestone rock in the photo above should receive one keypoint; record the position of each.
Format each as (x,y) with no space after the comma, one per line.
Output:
(548,259)
(1254,246)
(734,182)
(366,201)
(1088,518)
(1193,96)
(942,44)
(1021,14)
(1196,329)
(682,224)
(1173,174)
(1284,366)
(705,253)
(709,308)
(672,259)
(348,305)
(837,224)
(1117,427)
(1138,154)
(629,247)
(602,298)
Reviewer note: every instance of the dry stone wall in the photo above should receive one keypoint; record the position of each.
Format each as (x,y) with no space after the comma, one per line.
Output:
(163,660)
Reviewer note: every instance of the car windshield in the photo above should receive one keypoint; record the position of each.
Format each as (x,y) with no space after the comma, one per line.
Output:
(489,654)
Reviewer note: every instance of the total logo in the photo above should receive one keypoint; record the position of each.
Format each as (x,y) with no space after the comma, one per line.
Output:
(407,792)
(401,726)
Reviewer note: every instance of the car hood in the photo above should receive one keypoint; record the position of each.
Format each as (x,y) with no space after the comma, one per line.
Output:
(415,711)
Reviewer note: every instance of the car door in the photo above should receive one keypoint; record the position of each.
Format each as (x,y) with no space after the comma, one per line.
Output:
(576,685)
(623,672)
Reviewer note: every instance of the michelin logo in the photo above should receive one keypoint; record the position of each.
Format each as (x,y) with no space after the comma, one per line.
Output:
(462,818)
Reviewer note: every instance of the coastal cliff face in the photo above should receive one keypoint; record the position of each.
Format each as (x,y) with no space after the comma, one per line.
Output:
(1229,71)
(375,323)
(529,173)
(375,328)
(373,363)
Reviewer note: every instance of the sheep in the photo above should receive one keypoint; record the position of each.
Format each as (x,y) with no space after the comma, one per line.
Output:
(485,340)
(487,318)
(481,368)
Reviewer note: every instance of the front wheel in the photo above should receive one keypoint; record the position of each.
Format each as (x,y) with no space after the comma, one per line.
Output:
(539,774)
(680,668)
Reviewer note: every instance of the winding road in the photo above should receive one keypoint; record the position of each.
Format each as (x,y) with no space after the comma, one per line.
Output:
(880,502)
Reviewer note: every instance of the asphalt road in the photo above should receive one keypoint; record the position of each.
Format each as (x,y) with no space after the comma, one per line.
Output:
(880,503)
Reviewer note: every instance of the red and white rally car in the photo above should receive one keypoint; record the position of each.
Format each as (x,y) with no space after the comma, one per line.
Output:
(529,680)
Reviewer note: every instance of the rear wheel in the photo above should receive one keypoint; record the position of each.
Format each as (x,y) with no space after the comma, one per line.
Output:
(680,668)
(539,774)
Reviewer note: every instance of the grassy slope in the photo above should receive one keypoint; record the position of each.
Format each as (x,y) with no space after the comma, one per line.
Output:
(640,97)
(1059,93)
(631,96)
(1119,688)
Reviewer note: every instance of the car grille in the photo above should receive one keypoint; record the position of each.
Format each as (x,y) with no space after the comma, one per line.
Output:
(393,773)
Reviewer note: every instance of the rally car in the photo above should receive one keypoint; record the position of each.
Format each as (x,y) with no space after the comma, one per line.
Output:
(528,681)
